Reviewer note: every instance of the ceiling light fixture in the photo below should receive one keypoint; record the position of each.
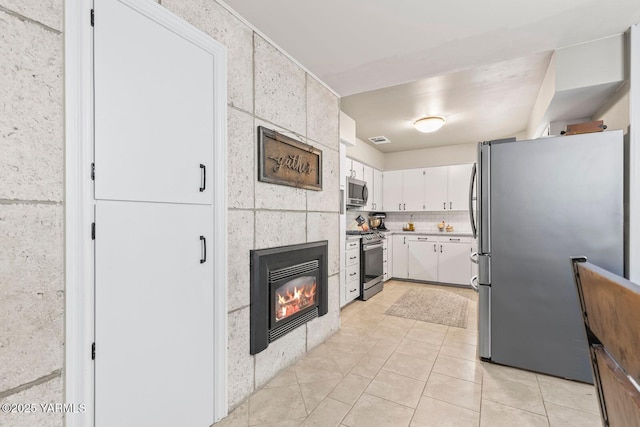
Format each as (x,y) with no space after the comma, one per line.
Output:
(429,124)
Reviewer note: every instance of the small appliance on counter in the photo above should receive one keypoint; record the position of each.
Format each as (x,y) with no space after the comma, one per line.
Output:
(376,219)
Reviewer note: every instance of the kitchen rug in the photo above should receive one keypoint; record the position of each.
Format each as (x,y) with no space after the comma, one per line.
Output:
(433,306)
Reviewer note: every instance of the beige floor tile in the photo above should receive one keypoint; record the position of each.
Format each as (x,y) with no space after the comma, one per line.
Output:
(561,416)
(350,388)
(496,415)
(459,350)
(329,413)
(287,423)
(371,411)
(454,390)
(513,393)
(385,331)
(314,368)
(385,347)
(239,417)
(469,370)
(435,413)
(398,322)
(418,349)
(409,366)
(460,335)
(426,326)
(571,394)
(427,336)
(364,321)
(347,360)
(368,366)
(266,405)
(286,377)
(396,388)
(492,370)
(314,393)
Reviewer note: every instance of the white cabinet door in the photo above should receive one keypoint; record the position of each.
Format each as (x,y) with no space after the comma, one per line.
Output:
(368,178)
(389,257)
(154,110)
(153,314)
(413,190)
(423,259)
(435,188)
(358,170)
(454,263)
(400,257)
(377,189)
(392,191)
(458,187)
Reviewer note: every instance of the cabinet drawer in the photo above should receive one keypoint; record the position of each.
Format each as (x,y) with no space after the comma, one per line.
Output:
(454,239)
(353,244)
(353,291)
(352,257)
(422,238)
(353,274)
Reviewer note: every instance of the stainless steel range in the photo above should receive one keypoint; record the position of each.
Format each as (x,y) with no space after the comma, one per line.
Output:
(371,266)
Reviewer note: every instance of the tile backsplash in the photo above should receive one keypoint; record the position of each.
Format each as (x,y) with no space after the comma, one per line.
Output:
(428,221)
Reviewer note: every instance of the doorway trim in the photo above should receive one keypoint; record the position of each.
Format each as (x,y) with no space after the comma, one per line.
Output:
(80,203)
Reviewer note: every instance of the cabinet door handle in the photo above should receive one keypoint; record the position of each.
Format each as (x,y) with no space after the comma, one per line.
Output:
(423,238)
(203,177)
(404,206)
(404,240)
(440,248)
(352,257)
(444,205)
(451,239)
(399,206)
(203,244)
(434,248)
(450,205)
(353,290)
(353,274)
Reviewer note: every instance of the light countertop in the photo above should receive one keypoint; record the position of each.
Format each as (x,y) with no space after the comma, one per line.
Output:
(431,233)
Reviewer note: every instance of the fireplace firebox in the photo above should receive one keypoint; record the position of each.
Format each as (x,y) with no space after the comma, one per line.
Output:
(288,289)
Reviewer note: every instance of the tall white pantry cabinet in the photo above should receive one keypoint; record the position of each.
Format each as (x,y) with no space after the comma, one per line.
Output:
(156,122)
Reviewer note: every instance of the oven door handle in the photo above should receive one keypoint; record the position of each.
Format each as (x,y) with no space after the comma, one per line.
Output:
(370,247)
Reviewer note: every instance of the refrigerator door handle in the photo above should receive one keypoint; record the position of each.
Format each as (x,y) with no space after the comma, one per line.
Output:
(474,258)
(471,218)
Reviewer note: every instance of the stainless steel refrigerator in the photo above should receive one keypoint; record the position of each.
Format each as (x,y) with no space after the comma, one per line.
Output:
(539,203)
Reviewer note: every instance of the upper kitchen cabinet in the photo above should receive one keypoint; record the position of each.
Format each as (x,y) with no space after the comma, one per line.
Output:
(368,178)
(356,169)
(435,188)
(447,188)
(392,191)
(403,190)
(377,189)
(347,130)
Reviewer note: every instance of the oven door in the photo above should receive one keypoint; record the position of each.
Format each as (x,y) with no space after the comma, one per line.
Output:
(371,264)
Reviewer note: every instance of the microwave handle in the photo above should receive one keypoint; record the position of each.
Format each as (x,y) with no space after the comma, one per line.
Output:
(365,193)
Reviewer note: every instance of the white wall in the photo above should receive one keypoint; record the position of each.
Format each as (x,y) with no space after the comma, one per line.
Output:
(438,156)
(615,113)
(364,153)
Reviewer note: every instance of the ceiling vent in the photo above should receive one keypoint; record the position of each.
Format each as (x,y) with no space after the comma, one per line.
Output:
(379,140)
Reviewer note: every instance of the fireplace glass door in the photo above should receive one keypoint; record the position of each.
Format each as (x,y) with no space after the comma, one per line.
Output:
(293,295)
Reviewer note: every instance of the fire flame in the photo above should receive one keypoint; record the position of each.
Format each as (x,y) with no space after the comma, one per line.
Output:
(294,300)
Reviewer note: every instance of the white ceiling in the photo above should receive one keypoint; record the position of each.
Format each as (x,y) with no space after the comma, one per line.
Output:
(357,46)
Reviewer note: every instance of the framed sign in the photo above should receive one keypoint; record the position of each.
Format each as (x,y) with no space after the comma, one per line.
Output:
(285,161)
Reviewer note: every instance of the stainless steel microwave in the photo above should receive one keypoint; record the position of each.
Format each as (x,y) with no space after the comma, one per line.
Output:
(357,192)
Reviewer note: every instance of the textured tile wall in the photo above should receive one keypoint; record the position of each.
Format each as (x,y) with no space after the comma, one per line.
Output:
(267,89)
(31,208)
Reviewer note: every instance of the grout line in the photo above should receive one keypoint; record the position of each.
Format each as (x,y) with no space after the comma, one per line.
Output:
(26,386)
(29,202)
(31,21)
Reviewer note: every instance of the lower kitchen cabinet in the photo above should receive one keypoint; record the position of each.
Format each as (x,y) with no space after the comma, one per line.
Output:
(400,259)
(351,288)
(442,259)
(454,265)
(422,258)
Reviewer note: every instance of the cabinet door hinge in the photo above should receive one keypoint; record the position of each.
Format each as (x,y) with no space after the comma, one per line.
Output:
(93,171)
(93,351)
(92,18)
(93,231)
